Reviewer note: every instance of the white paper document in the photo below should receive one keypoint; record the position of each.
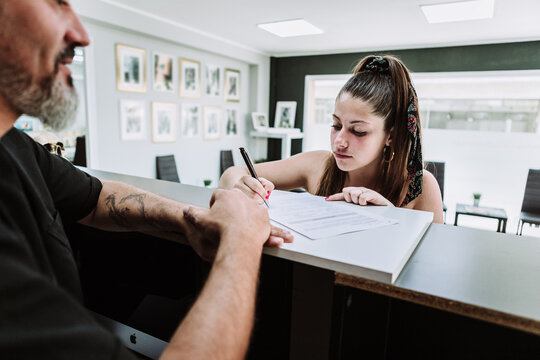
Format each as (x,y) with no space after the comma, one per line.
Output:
(315,218)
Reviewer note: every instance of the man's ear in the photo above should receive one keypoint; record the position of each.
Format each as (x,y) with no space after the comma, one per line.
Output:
(388,141)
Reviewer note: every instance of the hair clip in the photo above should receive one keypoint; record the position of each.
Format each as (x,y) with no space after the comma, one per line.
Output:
(378,64)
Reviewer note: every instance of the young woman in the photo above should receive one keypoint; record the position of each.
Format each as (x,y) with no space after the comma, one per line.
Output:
(376,153)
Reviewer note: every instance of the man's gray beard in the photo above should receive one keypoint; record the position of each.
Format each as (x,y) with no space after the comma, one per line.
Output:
(54,103)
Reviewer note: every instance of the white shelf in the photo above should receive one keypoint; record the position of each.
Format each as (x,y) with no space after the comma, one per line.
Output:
(286,136)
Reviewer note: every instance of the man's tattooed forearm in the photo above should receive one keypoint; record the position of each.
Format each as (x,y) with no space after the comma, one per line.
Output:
(120,212)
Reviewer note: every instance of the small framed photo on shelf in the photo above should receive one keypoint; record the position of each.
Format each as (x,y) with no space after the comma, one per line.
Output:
(191,120)
(163,72)
(212,120)
(232,122)
(260,121)
(190,78)
(163,122)
(132,120)
(130,69)
(213,80)
(232,85)
(285,114)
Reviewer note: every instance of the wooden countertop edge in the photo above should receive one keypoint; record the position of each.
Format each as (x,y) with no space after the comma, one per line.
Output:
(456,307)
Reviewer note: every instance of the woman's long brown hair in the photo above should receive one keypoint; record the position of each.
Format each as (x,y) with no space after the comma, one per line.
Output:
(388,95)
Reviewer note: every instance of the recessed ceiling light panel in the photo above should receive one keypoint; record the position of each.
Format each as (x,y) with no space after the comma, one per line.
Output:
(458,11)
(288,28)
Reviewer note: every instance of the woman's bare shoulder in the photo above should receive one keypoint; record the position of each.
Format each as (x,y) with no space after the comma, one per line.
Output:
(300,170)
(313,164)
(316,154)
(309,158)
(429,181)
(316,159)
(430,199)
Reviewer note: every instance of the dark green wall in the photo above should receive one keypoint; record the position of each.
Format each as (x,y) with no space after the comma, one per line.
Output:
(287,74)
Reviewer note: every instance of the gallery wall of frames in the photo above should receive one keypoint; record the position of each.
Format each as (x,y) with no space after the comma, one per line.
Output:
(155,97)
(193,118)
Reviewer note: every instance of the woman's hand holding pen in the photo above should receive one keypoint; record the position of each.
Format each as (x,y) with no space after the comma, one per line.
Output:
(360,196)
(256,189)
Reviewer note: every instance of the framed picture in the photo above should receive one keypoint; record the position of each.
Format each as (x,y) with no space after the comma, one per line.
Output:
(285,114)
(260,121)
(212,119)
(190,78)
(213,80)
(163,122)
(191,120)
(163,72)
(232,85)
(130,69)
(132,120)
(231,127)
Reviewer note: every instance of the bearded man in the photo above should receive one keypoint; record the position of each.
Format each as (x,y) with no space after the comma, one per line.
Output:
(41,311)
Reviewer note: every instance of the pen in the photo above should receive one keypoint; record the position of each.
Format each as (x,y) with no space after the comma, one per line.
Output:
(250,167)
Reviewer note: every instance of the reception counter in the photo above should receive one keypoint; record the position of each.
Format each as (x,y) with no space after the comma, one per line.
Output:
(463,293)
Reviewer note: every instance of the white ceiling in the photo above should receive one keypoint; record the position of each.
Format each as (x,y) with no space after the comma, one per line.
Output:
(349,25)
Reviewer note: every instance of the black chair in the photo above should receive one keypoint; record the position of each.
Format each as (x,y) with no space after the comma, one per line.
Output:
(166,168)
(437,169)
(530,209)
(80,151)
(225,160)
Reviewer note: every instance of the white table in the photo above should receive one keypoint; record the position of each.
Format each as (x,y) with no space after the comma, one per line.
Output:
(286,139)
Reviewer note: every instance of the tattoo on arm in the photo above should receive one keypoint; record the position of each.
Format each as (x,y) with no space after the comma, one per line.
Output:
(120,212)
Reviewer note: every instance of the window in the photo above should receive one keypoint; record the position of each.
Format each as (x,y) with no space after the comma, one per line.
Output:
(498,101)
(502,101)
(321,92)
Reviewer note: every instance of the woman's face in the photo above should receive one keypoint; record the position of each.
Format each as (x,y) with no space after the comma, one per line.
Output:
(357,135)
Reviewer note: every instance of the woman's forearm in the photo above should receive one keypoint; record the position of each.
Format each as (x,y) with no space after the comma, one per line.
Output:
(231,176)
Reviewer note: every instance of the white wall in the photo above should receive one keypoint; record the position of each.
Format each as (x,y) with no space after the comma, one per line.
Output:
(197,159)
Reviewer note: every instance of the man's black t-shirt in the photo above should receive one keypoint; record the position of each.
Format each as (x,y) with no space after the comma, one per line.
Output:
(41,311)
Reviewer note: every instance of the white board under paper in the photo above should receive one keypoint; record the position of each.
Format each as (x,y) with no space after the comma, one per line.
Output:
(376,254)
